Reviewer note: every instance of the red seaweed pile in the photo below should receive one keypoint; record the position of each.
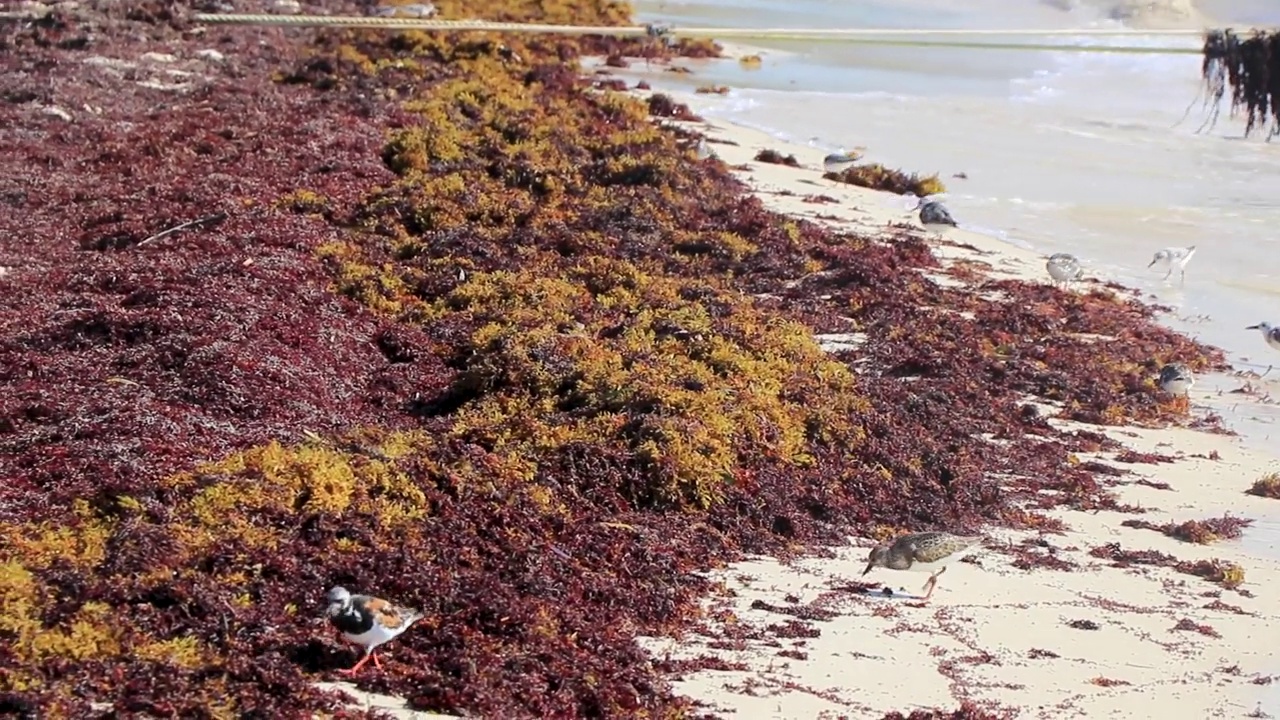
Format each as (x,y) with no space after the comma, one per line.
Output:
(1203,532)
(447,322)
(1267,486)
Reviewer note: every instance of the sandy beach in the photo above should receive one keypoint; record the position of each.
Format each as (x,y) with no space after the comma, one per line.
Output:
(1095,639)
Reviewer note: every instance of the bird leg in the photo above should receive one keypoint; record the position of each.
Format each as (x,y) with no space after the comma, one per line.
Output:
(932,583)
(376,662)
(355,668)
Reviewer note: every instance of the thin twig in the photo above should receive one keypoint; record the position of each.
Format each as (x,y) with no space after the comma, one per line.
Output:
(216,217)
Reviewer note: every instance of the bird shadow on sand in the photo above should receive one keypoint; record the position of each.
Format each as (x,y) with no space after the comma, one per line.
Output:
(878,592)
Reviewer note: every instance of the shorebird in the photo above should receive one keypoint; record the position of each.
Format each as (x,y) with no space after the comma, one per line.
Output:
(1177,380)
(1063,268)
(934,214)
(839,162)
(1270,333)
(929,552)
(1172,257)
(367,621)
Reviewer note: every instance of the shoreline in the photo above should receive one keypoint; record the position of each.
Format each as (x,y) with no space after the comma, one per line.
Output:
(1226,666)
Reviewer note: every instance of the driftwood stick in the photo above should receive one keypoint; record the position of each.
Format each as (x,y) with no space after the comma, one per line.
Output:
(216,217)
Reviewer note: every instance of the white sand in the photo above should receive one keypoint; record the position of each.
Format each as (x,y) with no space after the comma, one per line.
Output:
(974,640)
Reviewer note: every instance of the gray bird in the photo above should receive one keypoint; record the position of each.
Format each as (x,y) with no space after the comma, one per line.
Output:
(934,214)
(839,162)
(1064,268)
(1173,257)
(929,552)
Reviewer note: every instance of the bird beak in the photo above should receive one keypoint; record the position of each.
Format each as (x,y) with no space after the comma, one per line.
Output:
(1253,327)
(1153,262)
(870,567)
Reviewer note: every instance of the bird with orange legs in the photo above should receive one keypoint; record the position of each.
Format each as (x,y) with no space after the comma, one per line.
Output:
(367,621)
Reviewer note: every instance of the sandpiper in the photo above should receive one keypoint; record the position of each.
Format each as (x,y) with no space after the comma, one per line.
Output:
(934,214)
(1173,257)
(839,162)
(1177,380)
(1270,333)
(1063,268)
(367,621)
(929,552)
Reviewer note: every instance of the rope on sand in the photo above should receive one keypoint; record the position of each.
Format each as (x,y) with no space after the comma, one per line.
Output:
(864,36)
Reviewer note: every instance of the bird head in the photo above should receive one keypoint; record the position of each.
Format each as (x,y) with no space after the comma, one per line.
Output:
(1160,255)
(1265,327)
(876,557)
(338,598)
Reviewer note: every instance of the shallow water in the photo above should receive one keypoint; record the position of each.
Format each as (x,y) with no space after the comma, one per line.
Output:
(1094,154)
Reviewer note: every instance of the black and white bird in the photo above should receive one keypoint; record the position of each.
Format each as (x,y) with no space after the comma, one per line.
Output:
(367,621)
(1177,380)
(1064,268)
(1171,258)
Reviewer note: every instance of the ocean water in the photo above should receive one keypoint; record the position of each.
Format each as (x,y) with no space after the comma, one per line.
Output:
(1101,155)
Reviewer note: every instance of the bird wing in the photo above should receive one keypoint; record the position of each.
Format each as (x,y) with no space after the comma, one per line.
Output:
(388,615)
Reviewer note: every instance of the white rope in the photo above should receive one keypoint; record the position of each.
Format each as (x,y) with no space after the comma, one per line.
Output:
(863,36)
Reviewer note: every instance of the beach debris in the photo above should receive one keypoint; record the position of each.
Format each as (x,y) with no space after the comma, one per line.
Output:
(1064,268)
(1171,258)
(1084,625)
(750,62)
(878,177)
(1201,532)
(419,10)
(769,155)
(1266,486)
(1177,380)
(367,621)
(712,90)
(929,552)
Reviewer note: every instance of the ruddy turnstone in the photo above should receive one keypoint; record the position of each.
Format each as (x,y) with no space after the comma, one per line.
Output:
(1064,268)
(1171,258)
(929,552)
(1176,379)
(367,621)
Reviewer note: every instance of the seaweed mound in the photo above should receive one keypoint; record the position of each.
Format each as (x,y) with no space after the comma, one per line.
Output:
(462,328)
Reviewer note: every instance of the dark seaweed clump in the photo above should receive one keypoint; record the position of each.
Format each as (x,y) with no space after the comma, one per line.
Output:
(769,155)
(879,177)
(1266,486)
(1203,532)
(1249,66)
(475,334)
